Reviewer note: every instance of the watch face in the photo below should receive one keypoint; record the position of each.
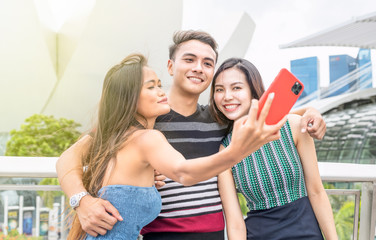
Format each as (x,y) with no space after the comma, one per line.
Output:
(73,201)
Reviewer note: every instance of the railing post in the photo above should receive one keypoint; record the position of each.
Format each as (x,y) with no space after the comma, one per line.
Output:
(63,227)
(53,222)
(356,216)
(37,217)
(20,214)
(5,226)
(365,212)
(373,213)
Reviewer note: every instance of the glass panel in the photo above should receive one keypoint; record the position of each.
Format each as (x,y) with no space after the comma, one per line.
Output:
(368,153)
(317,144)
(359,130)
(321,155)
(367,161)
(347,154)
(326,144)
(352,142)
(333,156)
(370,142)
(335,145)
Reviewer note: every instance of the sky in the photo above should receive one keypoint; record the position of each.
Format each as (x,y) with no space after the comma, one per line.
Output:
(277,22)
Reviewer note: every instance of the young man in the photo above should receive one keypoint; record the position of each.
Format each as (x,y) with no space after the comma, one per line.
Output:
(193,212)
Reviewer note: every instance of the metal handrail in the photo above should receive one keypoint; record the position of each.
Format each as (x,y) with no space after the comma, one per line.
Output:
(41,167)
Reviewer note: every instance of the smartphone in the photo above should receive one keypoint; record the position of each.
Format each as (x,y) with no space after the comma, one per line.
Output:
(287,89)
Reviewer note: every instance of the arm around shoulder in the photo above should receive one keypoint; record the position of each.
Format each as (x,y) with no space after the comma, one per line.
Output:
(69,167)
(93,213)
(312,122)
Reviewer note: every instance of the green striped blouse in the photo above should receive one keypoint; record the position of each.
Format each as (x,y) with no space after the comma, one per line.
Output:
(273,175)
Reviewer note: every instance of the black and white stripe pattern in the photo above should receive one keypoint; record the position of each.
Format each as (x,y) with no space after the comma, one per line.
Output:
(193,136)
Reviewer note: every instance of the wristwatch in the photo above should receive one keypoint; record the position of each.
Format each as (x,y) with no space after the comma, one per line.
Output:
(74,201)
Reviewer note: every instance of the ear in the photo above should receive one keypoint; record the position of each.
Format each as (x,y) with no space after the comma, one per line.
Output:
(170,65)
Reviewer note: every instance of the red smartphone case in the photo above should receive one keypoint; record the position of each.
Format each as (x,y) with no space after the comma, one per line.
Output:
(287,89)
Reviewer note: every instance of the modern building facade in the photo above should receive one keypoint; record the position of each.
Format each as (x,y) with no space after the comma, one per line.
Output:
(351,133)
(351,127)
(346,74)
(339,66)
(307,71)
(365,63)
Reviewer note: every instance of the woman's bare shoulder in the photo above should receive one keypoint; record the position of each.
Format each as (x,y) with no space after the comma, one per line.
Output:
(148,137)
(294,121)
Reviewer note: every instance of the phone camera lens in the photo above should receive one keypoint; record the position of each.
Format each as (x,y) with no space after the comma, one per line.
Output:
(296,88)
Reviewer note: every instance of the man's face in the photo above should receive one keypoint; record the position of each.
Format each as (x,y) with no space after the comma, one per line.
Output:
(193,67)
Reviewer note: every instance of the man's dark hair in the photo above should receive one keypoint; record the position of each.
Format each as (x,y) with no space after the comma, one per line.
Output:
(184,36)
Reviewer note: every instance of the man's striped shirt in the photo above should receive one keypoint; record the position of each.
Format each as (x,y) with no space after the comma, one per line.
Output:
(195,208)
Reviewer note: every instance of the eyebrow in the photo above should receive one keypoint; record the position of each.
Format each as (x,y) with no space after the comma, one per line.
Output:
(232,84)
(152,81)
(193,55)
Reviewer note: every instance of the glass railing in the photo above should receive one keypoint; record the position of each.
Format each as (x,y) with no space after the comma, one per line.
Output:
(22,209)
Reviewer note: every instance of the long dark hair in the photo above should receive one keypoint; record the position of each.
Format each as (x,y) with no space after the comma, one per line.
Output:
(253,78)
(116,117)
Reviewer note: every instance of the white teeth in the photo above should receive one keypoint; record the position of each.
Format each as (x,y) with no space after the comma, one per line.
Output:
(230,106)
(195,79)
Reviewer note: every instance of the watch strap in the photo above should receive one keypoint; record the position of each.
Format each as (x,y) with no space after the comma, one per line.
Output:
(76,198)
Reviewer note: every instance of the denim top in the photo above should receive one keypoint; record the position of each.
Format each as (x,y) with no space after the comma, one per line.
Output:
(137,205)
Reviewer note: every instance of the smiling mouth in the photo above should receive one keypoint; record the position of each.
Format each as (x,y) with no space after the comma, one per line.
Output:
(164,100)
(230,107)
(196,79)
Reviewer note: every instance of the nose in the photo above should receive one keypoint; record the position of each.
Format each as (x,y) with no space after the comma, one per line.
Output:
(161,92)
(228,95)
(197,67)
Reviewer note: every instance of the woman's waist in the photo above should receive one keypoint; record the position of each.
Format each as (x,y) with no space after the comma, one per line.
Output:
(122,192)
(125,197)
(264,200)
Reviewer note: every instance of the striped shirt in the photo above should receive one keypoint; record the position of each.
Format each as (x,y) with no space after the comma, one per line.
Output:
(273,175)
(196,208)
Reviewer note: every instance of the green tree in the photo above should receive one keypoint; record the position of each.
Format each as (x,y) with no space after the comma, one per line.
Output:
(344,220)
(243,204)
(43,136)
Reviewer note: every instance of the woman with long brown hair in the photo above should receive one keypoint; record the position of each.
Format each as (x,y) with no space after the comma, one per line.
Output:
(124,150)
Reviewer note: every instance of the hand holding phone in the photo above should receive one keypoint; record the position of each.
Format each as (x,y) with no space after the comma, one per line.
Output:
(287,89)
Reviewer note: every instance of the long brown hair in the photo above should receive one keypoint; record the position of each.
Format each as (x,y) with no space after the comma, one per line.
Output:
(254,81)
(116,115)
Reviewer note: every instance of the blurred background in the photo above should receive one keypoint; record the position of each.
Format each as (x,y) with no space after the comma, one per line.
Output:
(54,55)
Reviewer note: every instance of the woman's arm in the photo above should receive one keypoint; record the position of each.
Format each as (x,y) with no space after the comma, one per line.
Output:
(69,167)
(93,213)
(316,192)
(248,135)
(235,225)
